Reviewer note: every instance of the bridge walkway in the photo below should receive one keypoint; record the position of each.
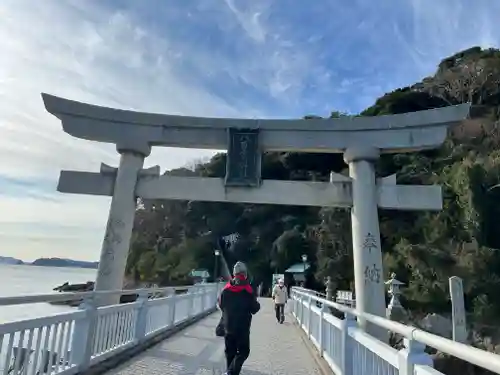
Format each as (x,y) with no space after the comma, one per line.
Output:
(275,349)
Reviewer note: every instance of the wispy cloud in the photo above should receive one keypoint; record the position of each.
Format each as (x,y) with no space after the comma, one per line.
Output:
(42,189)
(203,57)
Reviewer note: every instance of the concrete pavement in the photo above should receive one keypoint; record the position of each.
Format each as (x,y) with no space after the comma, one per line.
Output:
(276,349)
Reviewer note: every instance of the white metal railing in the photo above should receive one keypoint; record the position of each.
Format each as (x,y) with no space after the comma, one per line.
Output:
(348,350)
(72,342)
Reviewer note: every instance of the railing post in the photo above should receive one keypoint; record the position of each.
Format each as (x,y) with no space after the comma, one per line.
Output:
(142,316)
(197,299)
(83,336)
(413,354)
(203,299)
(218,289)
(195,295)
(207,295)
(309,316)
(199,296)
(303,317)
(302,310)
(192,292)
(173,302)
(299,309)
(216,293)
(346,351)
(321,339)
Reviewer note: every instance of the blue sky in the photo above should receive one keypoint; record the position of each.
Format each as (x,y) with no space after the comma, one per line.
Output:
(241,58)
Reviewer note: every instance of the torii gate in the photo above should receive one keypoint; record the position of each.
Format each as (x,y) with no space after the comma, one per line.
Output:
(360,139)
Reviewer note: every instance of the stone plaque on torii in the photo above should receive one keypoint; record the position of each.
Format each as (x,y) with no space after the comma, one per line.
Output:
(360,139)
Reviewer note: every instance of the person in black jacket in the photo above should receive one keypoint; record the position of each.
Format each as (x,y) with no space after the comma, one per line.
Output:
(238,303)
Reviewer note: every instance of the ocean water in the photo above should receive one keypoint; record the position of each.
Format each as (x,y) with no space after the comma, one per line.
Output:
(26,280)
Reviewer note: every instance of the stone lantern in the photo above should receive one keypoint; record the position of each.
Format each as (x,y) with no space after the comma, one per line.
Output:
(395,311)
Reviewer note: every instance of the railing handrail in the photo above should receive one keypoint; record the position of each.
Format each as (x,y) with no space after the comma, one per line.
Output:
(468,353)
(72,342)
(75,296)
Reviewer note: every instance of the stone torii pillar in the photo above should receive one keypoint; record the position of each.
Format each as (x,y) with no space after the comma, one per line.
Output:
(115,246)
(370,290)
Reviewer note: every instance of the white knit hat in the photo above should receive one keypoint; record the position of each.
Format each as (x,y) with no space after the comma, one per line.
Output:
(240,269)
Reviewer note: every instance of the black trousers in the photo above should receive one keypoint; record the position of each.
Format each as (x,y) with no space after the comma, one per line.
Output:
(280,312)
(237,351)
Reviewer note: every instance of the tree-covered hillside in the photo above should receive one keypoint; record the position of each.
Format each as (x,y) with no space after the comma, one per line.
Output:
(423,248)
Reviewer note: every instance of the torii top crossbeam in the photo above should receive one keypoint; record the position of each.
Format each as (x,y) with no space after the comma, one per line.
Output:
(392,133)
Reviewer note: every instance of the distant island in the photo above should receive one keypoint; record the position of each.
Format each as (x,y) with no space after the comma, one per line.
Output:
(59,262)
(50,262)
(10,260)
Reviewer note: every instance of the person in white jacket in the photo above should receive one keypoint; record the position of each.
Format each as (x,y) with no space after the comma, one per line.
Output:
(280,297)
